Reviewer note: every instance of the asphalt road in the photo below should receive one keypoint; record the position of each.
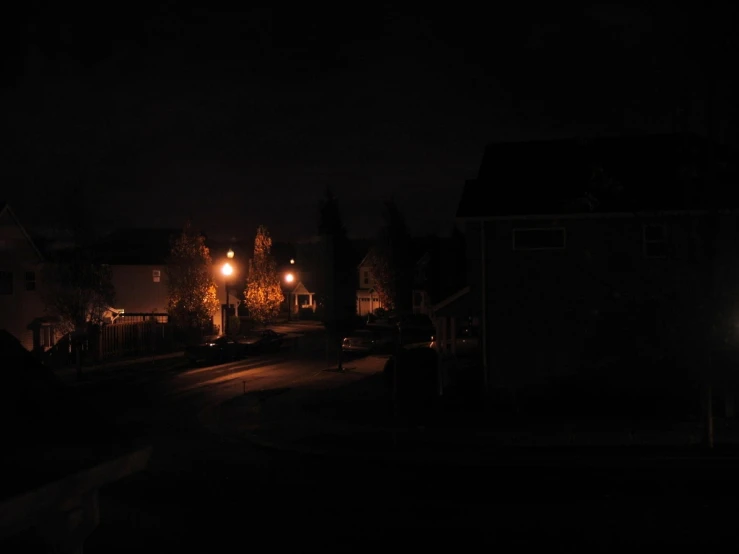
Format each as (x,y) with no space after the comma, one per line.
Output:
(203,490)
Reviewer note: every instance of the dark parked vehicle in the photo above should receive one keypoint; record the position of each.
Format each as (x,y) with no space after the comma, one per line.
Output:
(416,329)
(368,341)
(215,350)
(263,341)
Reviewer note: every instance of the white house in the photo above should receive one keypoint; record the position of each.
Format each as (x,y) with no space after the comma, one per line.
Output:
(368,299)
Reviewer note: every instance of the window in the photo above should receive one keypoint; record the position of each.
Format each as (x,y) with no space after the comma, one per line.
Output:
(655,241)
(30,280)
(156,275)
(46,336)
(539,239)
(366,277)
(6,282)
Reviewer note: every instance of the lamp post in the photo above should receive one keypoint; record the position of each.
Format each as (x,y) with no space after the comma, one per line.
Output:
(227,270)
(289,278)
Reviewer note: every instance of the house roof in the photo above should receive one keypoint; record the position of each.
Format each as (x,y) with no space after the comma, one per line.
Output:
(459,294)
(301,288)
(136,246)
(651,172)
(5,209)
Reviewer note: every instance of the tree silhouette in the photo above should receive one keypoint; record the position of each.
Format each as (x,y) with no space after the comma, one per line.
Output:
(263,292)
(391,260)
(339,282)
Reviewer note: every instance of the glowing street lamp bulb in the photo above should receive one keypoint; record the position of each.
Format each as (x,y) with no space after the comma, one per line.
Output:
(289,277)
(292,261)
(230,254)
(227,269)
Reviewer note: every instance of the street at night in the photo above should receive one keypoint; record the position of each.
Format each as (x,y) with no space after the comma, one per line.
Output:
(207,486)
(368,278)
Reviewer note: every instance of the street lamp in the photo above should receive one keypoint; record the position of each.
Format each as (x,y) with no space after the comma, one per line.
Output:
(227,270)
(230,253)
(289,278)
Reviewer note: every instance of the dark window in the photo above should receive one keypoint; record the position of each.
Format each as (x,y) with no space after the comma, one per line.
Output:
(30,280)
(366,277)
(655,241)
(6,282)
(46,336)
(539,239)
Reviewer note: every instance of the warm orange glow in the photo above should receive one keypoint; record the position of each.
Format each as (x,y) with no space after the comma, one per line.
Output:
(289,277)
(227,269)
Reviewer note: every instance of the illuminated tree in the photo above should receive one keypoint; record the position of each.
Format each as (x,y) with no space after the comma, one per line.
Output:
(192,289)
(263,292)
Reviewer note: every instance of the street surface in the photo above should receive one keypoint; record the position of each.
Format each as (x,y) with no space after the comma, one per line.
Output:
(207,489)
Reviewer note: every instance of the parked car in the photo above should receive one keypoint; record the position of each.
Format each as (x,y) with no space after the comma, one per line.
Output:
(215,350)
(416,329)
(266,340)
(367,341)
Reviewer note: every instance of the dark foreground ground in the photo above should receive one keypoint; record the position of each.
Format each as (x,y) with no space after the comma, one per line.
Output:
(220,495)
(212,490)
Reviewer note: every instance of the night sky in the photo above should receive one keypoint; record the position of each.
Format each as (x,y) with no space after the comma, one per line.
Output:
(242,118)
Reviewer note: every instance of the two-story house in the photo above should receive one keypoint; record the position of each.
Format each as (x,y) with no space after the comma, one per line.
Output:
(137,258)
(566,235)
(368,299)
(21,265)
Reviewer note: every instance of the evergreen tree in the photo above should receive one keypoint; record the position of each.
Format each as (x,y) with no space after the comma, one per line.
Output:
(392,265)
(263,292)
(338,293)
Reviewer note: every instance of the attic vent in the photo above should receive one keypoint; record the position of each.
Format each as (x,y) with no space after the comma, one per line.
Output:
(156,275)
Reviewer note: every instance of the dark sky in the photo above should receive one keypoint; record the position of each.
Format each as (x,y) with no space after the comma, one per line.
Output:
(242,118)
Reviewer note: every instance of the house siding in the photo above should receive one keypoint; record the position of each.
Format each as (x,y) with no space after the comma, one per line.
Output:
(542,306)
(368,300)
(136,291)
(21,307)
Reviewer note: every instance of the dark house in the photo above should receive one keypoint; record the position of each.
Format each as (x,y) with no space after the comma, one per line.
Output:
(618,242)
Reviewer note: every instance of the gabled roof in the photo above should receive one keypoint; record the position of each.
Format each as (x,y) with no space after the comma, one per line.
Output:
(641,173)
(299,288)
(5,209)
(456,296)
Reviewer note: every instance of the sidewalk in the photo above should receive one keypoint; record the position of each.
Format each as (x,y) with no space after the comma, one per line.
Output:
(351,417)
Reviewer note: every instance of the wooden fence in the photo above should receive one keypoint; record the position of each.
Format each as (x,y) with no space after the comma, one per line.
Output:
(141,317)
(127,339)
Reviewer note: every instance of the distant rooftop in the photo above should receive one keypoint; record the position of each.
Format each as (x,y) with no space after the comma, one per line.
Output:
(650,172)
